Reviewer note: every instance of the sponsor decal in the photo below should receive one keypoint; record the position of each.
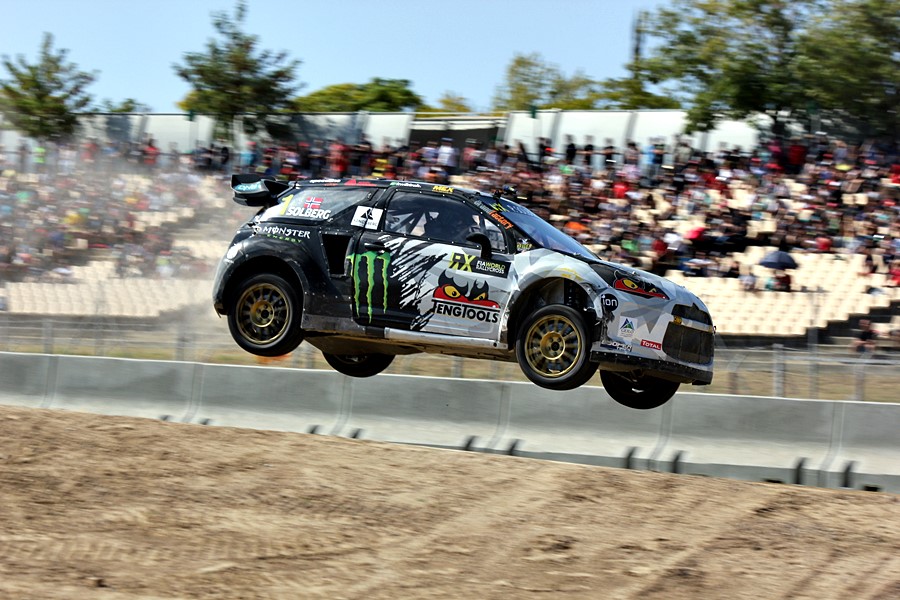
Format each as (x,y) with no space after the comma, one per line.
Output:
(360,182)
(460,261)
(523,246)
(469,302)
(404,184)
(569,273)
(310,209)
(502,220)
(609,303)
(366,217)
(324,181)
(287,234)
(370,274)
(637,287)
(446,189)
(649,344)
(249,187)
(616,345)
(626,328)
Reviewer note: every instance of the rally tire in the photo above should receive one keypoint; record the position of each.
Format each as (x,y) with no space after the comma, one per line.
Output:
(642,392)
(553,348)
(264,315)
(359,365)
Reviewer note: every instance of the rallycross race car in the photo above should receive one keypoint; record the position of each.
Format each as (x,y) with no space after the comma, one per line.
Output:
(366,269)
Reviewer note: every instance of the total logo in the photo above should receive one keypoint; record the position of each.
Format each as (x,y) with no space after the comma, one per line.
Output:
(649,344)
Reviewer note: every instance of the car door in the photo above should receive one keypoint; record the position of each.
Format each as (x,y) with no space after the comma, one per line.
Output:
(422,271)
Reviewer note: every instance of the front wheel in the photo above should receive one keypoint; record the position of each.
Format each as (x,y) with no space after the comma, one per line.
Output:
(553,348)
(264,318)
(641,392)
(359,365)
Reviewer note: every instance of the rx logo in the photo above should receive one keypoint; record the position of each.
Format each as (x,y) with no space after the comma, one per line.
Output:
(461,262)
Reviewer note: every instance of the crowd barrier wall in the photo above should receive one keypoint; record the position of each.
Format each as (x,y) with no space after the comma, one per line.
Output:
(807,442)
(583,425)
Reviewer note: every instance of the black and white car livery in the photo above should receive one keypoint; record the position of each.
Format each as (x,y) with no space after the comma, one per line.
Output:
(367,269)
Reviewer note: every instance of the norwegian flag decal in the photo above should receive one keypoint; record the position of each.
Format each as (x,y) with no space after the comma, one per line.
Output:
(312,203)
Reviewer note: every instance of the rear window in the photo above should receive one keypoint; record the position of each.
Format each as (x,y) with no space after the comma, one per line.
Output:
(316,204)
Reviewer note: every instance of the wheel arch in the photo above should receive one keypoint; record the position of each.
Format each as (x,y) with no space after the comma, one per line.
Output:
(555,290)
(264,264)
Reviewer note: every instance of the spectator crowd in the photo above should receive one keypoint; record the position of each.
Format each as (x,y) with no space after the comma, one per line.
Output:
(660,206)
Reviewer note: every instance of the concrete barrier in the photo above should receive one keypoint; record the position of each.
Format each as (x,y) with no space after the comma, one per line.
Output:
(868,448)
(832,444)
(747,437)
(583,425)
(426,410)
(271,398)
(25,378)
(118,386)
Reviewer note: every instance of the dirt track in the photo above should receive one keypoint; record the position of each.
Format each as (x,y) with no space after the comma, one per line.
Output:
(110,507)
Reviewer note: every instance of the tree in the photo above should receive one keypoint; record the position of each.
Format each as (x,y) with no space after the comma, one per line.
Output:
(526,83)
(851,66)
(236,82)
(451,102)
(530,82)
(43,99)
(732,58)
(379,95)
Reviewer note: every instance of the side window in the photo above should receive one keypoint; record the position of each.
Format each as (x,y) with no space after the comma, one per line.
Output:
(439,218)
(317,203)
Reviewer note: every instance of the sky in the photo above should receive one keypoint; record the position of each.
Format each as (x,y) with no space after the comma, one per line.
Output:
(457,46)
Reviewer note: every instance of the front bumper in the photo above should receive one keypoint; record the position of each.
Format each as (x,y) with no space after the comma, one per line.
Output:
(614,361)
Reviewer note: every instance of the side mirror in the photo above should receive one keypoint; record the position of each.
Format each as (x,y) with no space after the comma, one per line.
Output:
(483,241)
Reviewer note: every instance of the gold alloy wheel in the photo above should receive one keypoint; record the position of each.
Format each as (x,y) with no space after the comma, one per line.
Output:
(553,346)
(263,313)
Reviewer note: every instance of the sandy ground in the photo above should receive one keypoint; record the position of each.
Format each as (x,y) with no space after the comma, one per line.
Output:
(112,507)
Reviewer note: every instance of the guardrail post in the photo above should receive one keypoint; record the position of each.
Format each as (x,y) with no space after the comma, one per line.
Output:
(778,371)
(457,371)
(859,381)
(48,336)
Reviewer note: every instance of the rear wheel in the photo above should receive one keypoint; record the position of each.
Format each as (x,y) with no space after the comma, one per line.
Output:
(359,365)
(264,318)
(553,348)
(641,392)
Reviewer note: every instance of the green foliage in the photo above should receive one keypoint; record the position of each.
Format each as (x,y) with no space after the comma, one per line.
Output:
(128,105)
(232,79)
(531,82)
(731,58)
(449,102)
(851,62)
(527,83)
(379,95)
(789,60)
(42,99)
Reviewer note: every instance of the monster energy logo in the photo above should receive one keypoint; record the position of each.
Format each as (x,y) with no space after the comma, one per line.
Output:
(370,271)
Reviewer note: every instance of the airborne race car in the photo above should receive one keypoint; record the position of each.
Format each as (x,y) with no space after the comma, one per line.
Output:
(365,270)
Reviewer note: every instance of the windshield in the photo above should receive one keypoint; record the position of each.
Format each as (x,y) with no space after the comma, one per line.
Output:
(539,230)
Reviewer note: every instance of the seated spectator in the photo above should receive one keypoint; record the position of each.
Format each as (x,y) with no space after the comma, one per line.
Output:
(779,282)
(748,282)
(865,339)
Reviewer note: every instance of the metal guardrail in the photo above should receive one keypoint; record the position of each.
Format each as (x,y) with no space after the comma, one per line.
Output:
(827,373)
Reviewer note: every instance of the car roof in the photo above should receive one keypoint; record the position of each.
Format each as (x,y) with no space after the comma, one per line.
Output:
(387,183)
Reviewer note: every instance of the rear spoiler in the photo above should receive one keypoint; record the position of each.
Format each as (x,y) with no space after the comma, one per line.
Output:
(252,190)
